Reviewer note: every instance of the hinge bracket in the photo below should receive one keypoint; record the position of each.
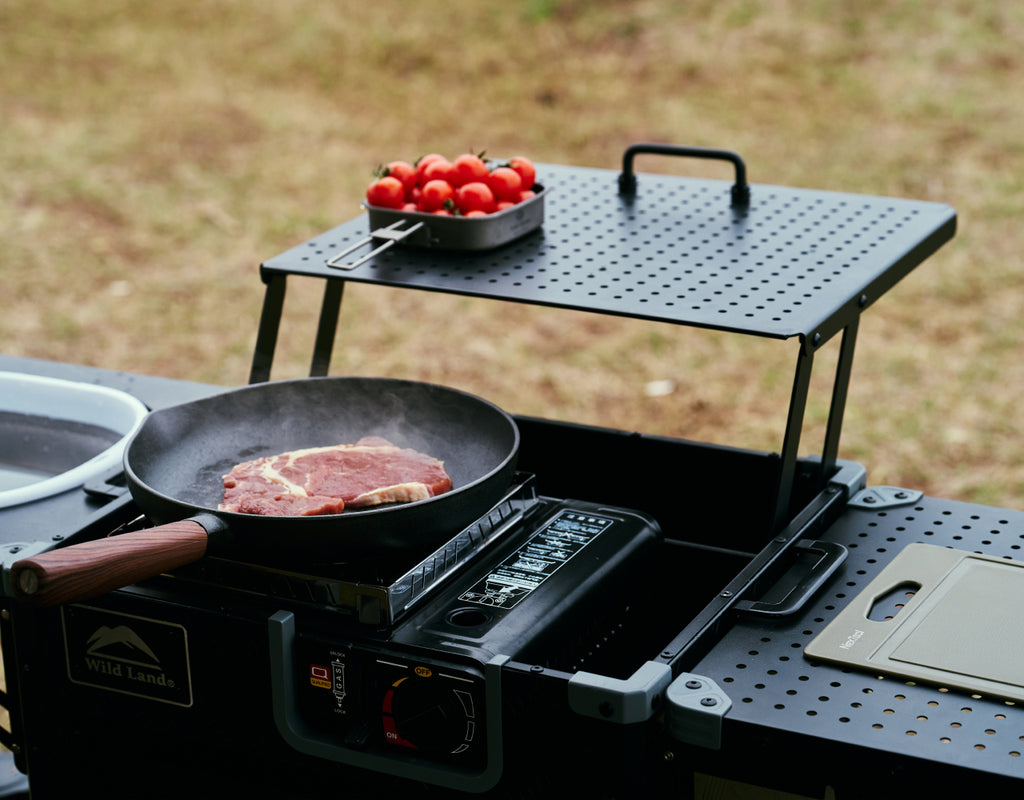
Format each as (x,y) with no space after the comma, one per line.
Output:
(884,497)
(696,708)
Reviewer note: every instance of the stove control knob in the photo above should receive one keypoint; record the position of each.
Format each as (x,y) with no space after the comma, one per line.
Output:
(430,712)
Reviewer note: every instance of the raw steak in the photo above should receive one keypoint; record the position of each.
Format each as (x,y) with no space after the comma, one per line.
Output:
(327,480)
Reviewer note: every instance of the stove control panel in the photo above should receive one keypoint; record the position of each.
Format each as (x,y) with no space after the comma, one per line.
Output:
(414,715)
(376,701)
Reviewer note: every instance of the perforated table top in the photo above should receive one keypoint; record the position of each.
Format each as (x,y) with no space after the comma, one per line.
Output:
(815,706)
(793,262)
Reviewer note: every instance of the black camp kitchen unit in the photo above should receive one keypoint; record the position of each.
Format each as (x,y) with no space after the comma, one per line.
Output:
(635,609)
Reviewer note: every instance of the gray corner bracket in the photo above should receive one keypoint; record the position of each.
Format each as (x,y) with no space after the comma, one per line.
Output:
(696,708)
(633,699)
(885,497)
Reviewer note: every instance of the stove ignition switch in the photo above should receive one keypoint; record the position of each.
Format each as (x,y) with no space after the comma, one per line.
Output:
(431,710)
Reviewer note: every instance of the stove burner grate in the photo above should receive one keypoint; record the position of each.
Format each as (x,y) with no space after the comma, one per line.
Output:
(375,592)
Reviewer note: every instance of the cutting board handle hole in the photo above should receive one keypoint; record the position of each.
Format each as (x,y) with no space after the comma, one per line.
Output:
(889,604)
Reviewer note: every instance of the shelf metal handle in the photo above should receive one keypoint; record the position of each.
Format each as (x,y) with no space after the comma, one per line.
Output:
(627,179)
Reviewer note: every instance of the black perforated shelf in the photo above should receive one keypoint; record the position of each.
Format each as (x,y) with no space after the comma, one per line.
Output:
(784,263)
(936,733)
(793,262)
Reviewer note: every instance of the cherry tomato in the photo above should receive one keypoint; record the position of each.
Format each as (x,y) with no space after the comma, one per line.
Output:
(506,183)
(422,163)
(501,205)
(386,192)
(526,170)
(404,171)
(468,168)
(526,194)
(435,194)
(440,169)
(474,196)
(476,212)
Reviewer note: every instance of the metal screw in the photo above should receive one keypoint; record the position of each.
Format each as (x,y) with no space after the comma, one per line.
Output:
(708,701)
(726,594)
(536,668)
(862,300)
(870,499)
(900,495)
(692,684)
(58,536)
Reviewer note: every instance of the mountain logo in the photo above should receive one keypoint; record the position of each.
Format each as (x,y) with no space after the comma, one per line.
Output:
(123,644)
(127,654)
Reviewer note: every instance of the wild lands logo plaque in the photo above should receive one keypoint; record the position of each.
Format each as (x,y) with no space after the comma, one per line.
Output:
(127,654)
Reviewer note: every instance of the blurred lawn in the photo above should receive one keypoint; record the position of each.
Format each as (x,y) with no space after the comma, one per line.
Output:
(153,154)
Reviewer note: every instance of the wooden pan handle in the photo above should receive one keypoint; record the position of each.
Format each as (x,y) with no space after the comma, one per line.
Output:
(81,571)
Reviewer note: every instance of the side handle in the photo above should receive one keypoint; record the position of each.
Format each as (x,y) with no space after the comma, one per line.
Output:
(829,556)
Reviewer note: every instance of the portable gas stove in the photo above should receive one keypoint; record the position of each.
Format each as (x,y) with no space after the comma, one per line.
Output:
(606,631)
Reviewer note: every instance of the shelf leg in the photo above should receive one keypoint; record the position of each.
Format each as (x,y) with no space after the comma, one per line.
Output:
(844,367)
(270,322)
(791,440)
(326,328)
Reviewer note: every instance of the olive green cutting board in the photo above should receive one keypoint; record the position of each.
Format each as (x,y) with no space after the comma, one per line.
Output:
(961,625)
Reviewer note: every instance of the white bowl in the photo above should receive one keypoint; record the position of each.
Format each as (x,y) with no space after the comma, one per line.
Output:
(60,400)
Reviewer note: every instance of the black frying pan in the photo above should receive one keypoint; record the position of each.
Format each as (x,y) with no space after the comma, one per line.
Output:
(175,461)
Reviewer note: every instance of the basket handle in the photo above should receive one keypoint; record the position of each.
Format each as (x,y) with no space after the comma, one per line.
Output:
(627,179)
(391,234)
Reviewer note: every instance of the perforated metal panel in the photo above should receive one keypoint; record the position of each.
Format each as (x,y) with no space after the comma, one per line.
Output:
(793,262)
(763,669)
